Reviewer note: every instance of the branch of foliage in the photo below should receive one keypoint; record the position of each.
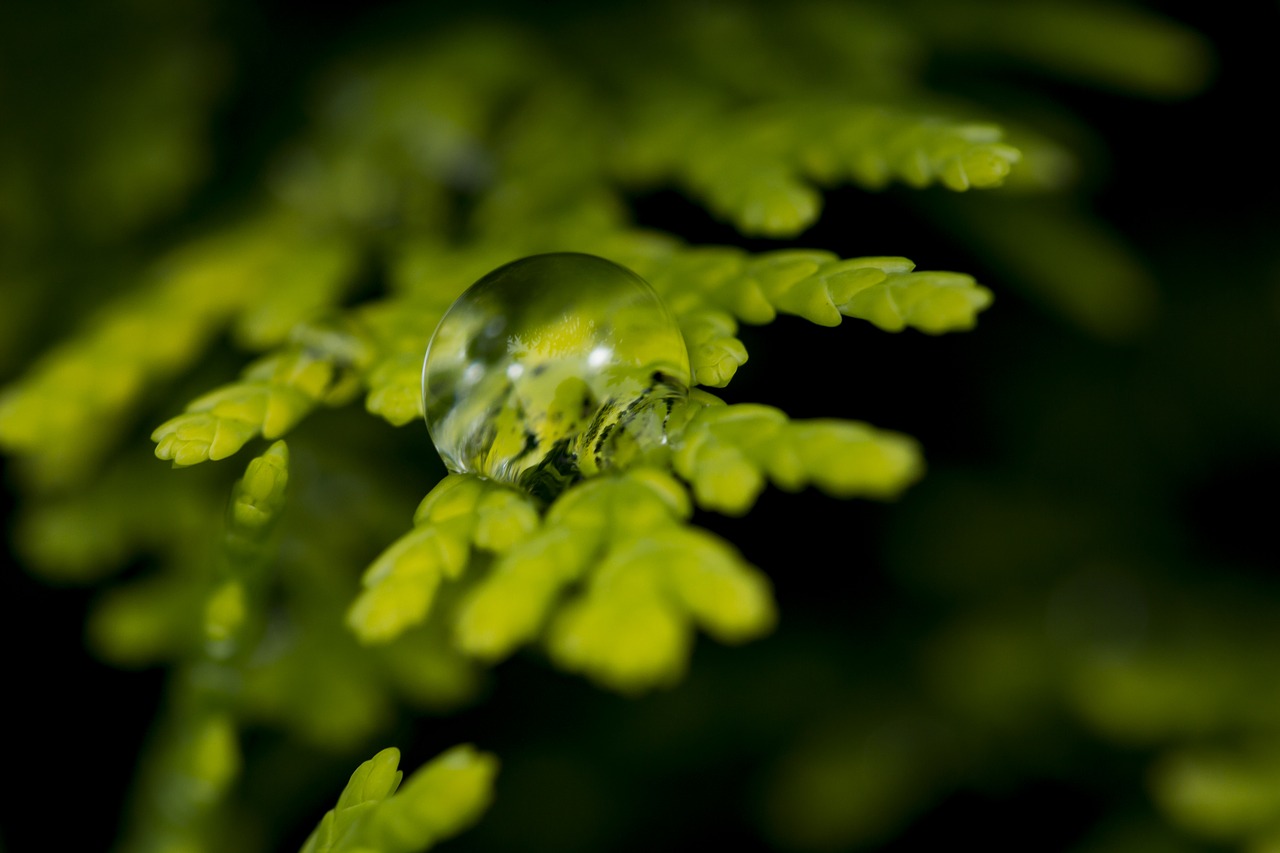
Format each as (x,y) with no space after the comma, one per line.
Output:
(462,511)
(823,288)
(728,453)
(715,353)
(375,814)
(643,579)
(68,409)
(646,577)
(274,394)
(763,168)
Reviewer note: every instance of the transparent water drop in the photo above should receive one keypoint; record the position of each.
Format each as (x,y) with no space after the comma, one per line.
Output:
(551,368)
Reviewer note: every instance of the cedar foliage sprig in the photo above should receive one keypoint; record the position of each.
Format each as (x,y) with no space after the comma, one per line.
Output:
(374,813)
(751,111)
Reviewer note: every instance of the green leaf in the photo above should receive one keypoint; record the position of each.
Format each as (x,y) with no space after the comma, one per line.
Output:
(728,452)
(275,394)
(761,168)
(818,286)
(375,814)
(461,511)
(67,410)
(647,579)
(509,607)
(715,353)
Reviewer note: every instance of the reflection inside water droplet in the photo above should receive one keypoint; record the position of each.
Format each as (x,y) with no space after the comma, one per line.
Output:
(552,368)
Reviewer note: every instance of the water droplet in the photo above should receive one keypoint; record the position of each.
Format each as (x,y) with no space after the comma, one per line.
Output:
(552,368)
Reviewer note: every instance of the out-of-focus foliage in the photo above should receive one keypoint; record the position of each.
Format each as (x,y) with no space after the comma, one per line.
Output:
(78,159)
(195,757)
(160,276)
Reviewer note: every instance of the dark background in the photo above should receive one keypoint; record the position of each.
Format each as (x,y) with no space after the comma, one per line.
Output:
(1025,399)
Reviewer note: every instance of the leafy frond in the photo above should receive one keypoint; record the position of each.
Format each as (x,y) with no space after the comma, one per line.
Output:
(728,452)
(375,814)
(614,537)
(822,288)
(715,353)
(64,408)
(762,50)
(275,393)
(461,511)
(69,408)
(403,330)
(763,168)
(645,580)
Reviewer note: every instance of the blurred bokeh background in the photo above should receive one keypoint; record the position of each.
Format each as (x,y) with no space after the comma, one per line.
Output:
(1066,637)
